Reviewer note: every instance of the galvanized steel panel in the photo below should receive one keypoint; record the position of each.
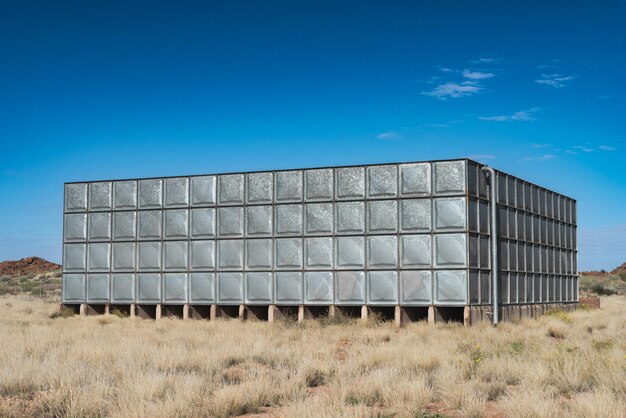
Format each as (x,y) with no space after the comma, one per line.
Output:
(350,217)
(100,196)
(230,288)
(450,287)
(318,253)
(449,214)
(318,287)
(73,288)
(202,223)
(98,288)
(350,183)
(98,257)
(450,177)
(176,224)
(230,254)
(123,288)
(288,288)
(230,189)
(202,288)
(76,197)
(382,288)
(123,256)
(176,192)
(175,288)
(382,252)
(318,219)
(350,287)
(415,215)
(203,190)
(318,184)
(150,194)
(288,186)
(350,252)
(259,221)
(259,288)
(125,195)
(259,254)
(149,225)
(382,216)
(382,181)
(148,256)
(230,222)
(450,250)
(288,253)
(288,220)
(175,255)
(149,288)
(202,255)
(415,179)
(124,226)
(75,227)
(415,287)
(100,226)
(415,251)
(260,187)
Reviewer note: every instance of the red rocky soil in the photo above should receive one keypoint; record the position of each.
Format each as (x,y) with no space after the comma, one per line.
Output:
(27,265)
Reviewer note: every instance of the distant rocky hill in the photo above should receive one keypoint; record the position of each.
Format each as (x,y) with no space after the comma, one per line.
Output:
(35,265)
(604,282)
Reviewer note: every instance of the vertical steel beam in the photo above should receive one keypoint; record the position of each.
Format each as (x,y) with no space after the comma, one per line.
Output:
(491,174)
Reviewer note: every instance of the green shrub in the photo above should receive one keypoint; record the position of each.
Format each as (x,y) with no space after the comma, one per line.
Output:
(601,290)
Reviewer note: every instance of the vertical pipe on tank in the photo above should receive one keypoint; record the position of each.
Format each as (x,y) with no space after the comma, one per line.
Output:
(491,174)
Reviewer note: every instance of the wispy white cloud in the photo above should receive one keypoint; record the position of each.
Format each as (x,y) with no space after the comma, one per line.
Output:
(388,135)
(544,157)
(583,148)
(454,90)
(477,75)
(481,157)
(540,145)
(555,80)
(521,116)
(485,61)
(607,148)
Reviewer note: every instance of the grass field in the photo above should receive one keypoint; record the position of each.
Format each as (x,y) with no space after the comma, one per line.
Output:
(570,365)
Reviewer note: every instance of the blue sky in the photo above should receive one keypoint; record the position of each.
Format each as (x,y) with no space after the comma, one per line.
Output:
(99,90)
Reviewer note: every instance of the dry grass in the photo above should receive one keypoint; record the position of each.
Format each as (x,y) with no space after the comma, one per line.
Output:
(561,365)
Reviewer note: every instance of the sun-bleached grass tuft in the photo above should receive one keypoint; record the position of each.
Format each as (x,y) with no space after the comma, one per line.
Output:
(563,364)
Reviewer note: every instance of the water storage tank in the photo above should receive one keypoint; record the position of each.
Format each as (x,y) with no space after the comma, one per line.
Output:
(412,238)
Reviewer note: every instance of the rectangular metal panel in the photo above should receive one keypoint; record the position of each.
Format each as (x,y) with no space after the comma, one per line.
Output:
(123,288)
(350,217)
(202,288)
(176,192)
(474,287)
(288,253)
(415,179)
(318,219)
(176,224)
(73,288)
(288,288)
(203,190)
(318,253)
(450,177)
(416,287)
(259,187)
(259,288)
(150,194)
(230,222)
(230,288)
(415,251)
(175,288)
(148,256)
(472,215)
(382,216)
(259,221)
(449,214)
(175,255)
(485,287)
(512,287)
(76,197)
(503,287)
(350,183)
(98,257)
(124,226)
(318,287)
(450,287)
(485,252)
(382,288)
(123,256)
(288,219)
(125,195)
(230,254)
(484,217)
(100,226)
(382,252)
(75,227)
(450,250)
(318,184)
(510,191)
(473,251)
(382,181)
(288,186)
(100,196)
(259,254)
(415,215)
(149,225)
(149,288)
(202,255)
(350,287)
(202,223)
(350,252)
(230,189)
(512,224)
